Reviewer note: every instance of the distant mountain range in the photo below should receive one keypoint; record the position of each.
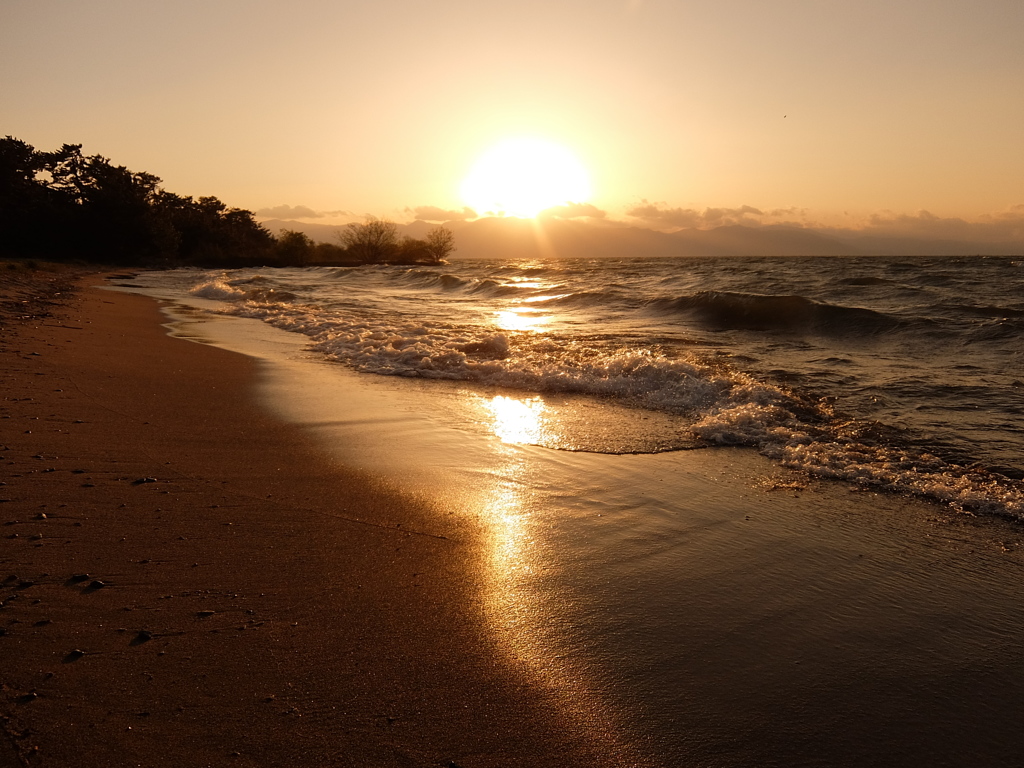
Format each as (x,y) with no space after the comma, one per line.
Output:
(506,238)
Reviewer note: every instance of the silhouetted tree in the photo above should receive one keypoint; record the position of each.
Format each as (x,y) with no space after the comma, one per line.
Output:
(411,251)
(23,199)
(64,204)
(294,248)
(373,242)
(440,243)
(211,233)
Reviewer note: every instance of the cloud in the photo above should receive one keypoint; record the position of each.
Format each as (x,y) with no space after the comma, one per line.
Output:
(718,217)
(288,212)
(433,213)
(659,216)
(652,213)
(574,211)
(776,213)
(1003,226)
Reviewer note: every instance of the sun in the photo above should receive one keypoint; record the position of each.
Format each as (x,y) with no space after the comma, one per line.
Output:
(521,177)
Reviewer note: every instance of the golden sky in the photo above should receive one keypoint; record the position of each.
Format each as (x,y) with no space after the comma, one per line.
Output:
(805,110)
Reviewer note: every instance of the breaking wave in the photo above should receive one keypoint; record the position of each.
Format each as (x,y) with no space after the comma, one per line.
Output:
(355,316)
(751,311)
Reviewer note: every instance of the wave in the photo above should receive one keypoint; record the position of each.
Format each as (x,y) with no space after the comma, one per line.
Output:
(716,404)
(495,289)
(864,281)
(431,279)
(758,312)
(217,289)
(995,331)
(583,300)
(989,311)
(224,290)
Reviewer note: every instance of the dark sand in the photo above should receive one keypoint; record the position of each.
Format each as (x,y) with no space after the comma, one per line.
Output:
(187,581)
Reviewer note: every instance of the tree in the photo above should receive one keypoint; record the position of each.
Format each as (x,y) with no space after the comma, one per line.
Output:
(24,199)
(440,243)
(293,248)
(374,241)
(210,233)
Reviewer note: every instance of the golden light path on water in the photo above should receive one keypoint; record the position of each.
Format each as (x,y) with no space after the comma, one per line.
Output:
(513,557)
(524,318)
(528,611)
(517,421)
(521,319)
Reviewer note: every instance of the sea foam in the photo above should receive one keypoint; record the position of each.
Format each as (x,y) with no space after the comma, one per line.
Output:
(719,404)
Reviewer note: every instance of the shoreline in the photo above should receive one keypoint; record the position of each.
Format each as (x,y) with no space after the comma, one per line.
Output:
(344,570)
(187,580)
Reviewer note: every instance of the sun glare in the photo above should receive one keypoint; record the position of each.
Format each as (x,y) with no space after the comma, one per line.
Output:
(522,177)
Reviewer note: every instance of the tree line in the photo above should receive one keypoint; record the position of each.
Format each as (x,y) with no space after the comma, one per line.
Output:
(375,241)
(68,206)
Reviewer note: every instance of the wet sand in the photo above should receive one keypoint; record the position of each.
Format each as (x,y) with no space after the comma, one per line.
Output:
(188,581)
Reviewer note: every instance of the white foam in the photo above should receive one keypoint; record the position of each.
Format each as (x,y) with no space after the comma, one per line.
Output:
(727,407)
(217,289)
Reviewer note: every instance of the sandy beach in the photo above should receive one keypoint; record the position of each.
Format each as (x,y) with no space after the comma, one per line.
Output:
(193,575)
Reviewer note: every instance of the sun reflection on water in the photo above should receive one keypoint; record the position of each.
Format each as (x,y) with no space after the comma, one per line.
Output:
(517,421)
(512,557)
(520,319)
(523,600)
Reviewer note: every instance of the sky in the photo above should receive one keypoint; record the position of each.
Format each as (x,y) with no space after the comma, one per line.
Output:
(683,113)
